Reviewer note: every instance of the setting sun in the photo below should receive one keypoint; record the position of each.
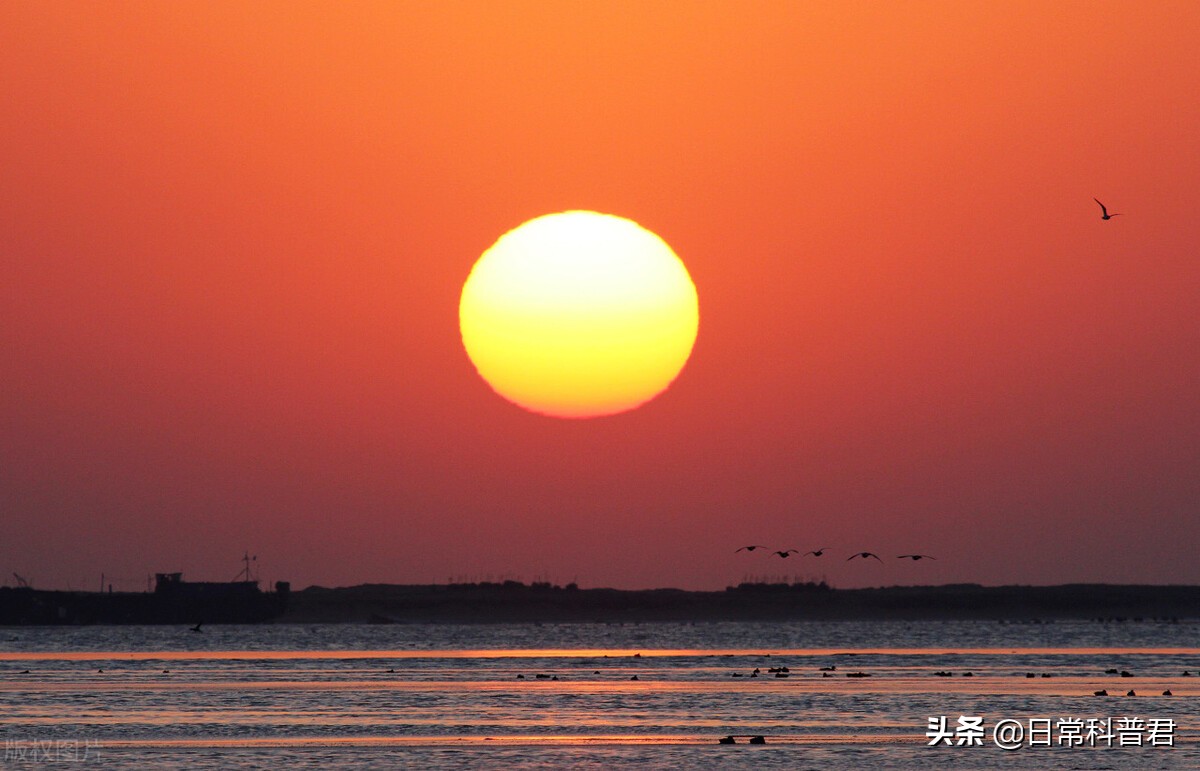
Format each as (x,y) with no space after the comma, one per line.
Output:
(579,314)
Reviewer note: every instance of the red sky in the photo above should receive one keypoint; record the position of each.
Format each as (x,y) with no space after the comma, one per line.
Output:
(233,238)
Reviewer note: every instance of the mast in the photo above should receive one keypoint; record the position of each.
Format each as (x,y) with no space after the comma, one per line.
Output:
(246,574)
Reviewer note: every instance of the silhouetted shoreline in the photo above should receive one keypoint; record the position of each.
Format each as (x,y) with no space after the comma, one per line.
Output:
(173,601)
(516,602)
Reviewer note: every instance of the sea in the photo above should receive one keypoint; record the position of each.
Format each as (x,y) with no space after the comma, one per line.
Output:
(821,695)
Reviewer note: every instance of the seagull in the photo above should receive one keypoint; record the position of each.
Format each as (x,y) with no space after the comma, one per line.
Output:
(749,548)
(915,557)
(816,553)
(864,555)
(197,628)
(1104,211)
(787,553)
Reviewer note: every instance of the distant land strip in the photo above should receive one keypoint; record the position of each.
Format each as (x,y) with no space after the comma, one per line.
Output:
(513,601)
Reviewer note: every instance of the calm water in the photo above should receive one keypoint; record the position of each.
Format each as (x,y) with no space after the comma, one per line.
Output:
(564,696)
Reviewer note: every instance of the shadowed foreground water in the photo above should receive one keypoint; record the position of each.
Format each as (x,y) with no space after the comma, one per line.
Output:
(855,695)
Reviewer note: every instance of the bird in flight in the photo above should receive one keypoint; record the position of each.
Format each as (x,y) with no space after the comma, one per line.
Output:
(915,557)
(1104,215)
(816,553)
(787,553)
(748,548)
(864,555)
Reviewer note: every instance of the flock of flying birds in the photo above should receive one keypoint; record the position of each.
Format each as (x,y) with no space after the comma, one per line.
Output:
(785,553)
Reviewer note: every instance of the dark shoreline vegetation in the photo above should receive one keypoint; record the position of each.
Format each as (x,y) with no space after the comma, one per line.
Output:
(516,602)
(513,601)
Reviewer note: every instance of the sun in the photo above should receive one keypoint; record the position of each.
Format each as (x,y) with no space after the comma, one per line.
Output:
(579,314)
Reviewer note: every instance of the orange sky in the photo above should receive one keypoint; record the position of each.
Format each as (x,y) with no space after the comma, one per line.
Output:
(233,237)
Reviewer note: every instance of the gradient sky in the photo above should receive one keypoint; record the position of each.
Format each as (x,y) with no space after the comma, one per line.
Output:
(233,238)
